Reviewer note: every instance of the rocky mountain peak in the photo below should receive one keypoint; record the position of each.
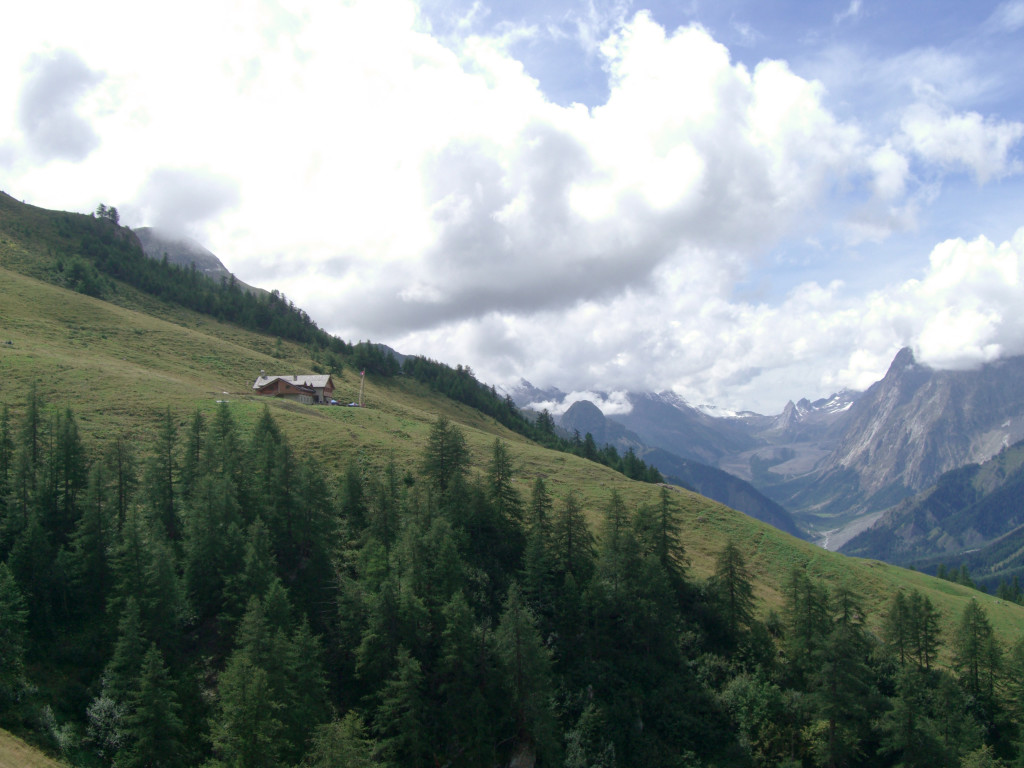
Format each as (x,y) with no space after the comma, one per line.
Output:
(904,359)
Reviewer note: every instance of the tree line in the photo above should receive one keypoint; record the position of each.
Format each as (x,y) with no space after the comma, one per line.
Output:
(218,598)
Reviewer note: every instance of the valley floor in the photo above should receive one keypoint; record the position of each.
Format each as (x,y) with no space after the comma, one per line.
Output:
(832,540)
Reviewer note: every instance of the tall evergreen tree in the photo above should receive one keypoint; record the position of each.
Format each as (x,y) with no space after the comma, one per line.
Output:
(526,668)
(923,620)
(977,659)
(161,477)
(446,456)
(897,628)
(91,544)
(658,531)
(153,731)
(192,458)
(572,539)
(66,478)
(6,466)
(466,674)
(538,556)
(733,588)
(13,638)
(807,623)
(501,490)
(246,726)
(343,743)
(400,715)
(841,684)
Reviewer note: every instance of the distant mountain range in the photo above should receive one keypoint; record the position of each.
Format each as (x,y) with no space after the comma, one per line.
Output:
(583,417)
(971,514)
(838,463)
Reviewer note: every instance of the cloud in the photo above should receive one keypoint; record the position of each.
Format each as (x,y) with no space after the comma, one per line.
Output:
(423,190)
(852,11)
(962,140)
(968,303)
(1007,17)
(54,85)
(609,403)
(565,205)
(182,200)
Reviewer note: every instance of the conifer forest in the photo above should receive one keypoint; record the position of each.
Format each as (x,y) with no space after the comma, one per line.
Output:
(209,595)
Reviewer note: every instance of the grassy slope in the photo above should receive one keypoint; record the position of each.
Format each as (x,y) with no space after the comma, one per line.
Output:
(15,753)
(119,366)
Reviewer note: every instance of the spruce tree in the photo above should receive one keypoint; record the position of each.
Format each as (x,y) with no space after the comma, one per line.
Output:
(733,588)
(13,637)
(246,727)
(343,743)
(924,629)
(526,669)
(399,719)
(153,732)
(573,542)
(161,478)
(500,488)
(446,455)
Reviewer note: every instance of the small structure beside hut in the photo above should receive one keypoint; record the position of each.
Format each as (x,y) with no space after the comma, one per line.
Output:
(308,388)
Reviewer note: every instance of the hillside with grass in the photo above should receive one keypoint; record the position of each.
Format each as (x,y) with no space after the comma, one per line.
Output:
(632,623)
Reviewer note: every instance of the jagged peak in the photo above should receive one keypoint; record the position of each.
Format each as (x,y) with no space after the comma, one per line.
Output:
(904,359)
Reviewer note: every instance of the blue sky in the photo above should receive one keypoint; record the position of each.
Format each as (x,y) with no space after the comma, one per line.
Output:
(743,202)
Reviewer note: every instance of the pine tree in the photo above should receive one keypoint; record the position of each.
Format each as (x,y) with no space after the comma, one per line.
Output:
(122,465)
(90,545)
(126,662)
(160,478)
(465,679)
(306,704)
(911,736)
(897,628)
(841,683)
(658,533)
(538,557)
(977,659)
(400,715)
(500,488)
(192,459)
(733,587)
(353,498)
(924,629)
(13,637)
(211,526)
(807,623)
(259,568)
(446,455)
(342,743)
(6,467)
(970,642)
(31,562)
(246,727)
(526,669)
(153,731)
(615,523)
(66,479)
(573,541)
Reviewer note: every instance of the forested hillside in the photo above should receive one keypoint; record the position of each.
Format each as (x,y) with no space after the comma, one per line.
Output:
(252,582)
(215,599)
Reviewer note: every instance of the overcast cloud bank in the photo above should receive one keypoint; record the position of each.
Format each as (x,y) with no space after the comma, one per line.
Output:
(706,226)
